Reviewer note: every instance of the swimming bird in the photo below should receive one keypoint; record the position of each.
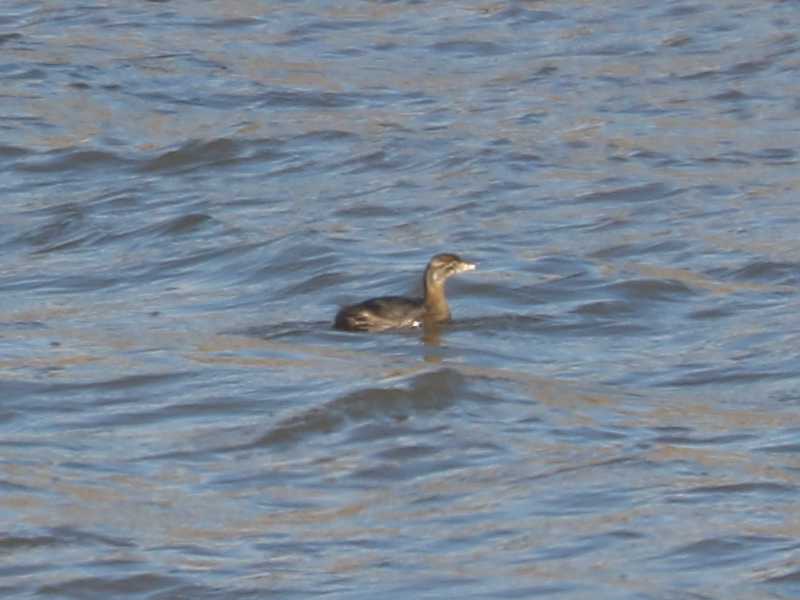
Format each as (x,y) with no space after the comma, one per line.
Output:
(397,312)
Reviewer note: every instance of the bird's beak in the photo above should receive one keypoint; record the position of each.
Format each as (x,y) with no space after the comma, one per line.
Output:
(465,266)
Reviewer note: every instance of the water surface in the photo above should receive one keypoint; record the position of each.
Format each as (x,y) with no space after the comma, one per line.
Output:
(191,190)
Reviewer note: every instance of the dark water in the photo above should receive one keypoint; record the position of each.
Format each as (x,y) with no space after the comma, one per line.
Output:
(190,189)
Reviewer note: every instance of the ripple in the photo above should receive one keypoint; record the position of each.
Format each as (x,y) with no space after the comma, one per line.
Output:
(606,308)
(792,577)
(193,154)
(427,392)
(66,224)
(296,99)
(695,440)
(782,448)
(749,67)
(146,584)
(14,543)
(119,384)
(13,151)
(469,48)
(638,193)
(769,488)
(70,160)
(729,375)
(587,501)
(635,249)
(586,545)
(724,551)
(493,324)
(185,224)
(518,15)
(768,271)
(323,26)
(642,290)
(779,156)
(243,167)
(312,284)
(312,139)
(9,37)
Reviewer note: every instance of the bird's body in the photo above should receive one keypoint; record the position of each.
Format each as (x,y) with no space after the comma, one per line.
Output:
(397,312)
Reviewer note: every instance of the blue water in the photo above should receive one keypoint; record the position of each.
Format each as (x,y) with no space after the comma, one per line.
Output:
(191,190)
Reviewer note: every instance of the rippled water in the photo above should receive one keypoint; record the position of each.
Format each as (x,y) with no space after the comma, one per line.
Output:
(191,189)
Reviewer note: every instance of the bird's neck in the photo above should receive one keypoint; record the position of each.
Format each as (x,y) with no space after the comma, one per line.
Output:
(436,307)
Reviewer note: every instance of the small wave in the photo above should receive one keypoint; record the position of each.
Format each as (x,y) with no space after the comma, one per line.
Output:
(749,67)
(726,376)
(727,158)
(186,223)
(730,96)
(769,156)
(193,154)
(17,543)
(793,578)
(378,160)
(306,99)
(641,248)
(323,26)
(368,211)
(660,159)
(8,37)
(781,156)
(119,384)
(66,226)
(744,488)
(285,329)
(651,289)
(605,308)
(69,160)
(16,71)
(148,585)
(295,253)
(781,449)
(67,534)
(312,284)
(682,10)
(703,73)
(427,392)
(637,193)
(312,138)
(77,241)
(12,151)
(682,437)
(731,550)
(517,15)
(766,271)
(568,267)
(497,323)
(469,48)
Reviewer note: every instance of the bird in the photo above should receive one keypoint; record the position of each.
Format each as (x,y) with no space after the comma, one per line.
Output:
(398,312)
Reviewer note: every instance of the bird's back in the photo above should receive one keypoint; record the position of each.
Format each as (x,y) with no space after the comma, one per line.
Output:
(387,312)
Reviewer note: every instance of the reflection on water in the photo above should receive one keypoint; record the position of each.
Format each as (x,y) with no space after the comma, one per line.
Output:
(191,192)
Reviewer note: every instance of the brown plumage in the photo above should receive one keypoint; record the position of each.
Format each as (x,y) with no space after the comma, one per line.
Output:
(395,312)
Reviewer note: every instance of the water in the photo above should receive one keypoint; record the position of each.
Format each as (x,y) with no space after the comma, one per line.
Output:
(190,190)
